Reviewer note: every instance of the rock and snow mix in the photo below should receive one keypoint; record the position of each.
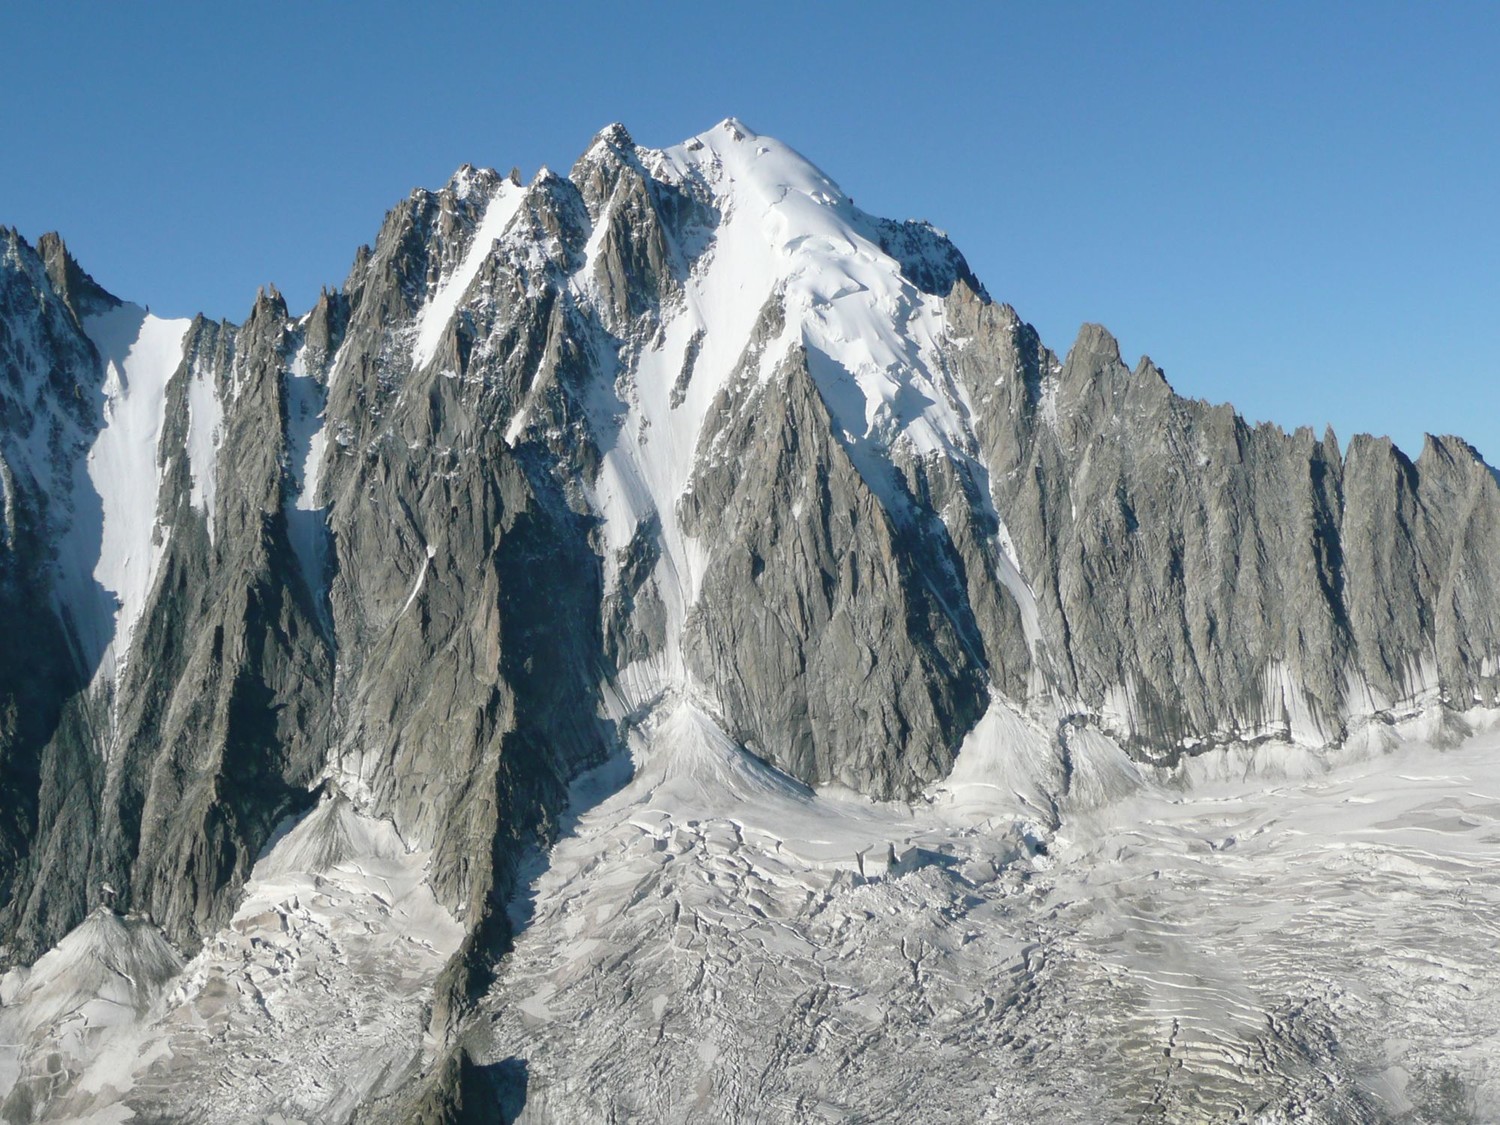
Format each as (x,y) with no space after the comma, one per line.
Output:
(711,940)
(312,1000)
(1052,931)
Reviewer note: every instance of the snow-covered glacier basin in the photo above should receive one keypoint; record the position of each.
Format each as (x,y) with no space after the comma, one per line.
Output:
(711,943)
(710,940)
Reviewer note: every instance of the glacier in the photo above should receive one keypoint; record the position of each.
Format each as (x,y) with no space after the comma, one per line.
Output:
(714,942)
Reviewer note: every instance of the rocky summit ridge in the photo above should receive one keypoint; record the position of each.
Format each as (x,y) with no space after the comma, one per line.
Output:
(682,429)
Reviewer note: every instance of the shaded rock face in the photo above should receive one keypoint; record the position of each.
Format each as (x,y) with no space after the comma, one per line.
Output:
(162,774)
(684,423)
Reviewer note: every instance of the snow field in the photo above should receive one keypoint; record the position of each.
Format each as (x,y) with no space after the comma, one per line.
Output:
(1296,950)
(115,498)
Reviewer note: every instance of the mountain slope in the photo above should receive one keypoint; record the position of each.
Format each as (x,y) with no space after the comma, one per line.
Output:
(683,441)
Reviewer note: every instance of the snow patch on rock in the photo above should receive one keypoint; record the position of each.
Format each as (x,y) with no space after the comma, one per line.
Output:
(121,485)
(205,421)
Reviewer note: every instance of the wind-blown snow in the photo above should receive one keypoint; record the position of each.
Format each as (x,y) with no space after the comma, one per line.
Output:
(435,316)
(122,483)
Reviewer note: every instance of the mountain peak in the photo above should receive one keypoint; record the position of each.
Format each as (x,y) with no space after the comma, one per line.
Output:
(736,129)
(79,291)
(469,180)
(685,467)
(615,135)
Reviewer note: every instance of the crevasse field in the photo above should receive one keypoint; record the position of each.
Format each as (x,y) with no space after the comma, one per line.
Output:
(713,942)
(1286,939)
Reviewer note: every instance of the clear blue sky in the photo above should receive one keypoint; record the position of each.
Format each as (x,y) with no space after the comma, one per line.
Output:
(1293,207)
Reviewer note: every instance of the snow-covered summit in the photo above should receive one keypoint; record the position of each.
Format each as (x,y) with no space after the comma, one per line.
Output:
(760,259)
(873,335)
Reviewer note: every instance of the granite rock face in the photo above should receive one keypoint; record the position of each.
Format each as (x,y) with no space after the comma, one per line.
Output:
(682,425)
(1201,581)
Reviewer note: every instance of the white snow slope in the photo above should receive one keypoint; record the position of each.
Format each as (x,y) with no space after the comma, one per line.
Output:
(437,313)
(115,542)
(875,345)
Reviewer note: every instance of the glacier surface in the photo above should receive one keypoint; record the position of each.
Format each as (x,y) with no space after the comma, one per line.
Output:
(713,942)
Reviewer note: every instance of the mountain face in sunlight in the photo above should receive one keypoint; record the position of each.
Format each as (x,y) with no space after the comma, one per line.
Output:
(661,642)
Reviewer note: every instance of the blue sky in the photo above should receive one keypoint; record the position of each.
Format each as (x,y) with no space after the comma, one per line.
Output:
(1292,207)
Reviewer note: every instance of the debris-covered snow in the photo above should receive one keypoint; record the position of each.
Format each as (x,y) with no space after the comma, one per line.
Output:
(90,990)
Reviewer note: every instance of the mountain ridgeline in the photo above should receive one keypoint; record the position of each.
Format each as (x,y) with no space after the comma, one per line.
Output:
(683,423)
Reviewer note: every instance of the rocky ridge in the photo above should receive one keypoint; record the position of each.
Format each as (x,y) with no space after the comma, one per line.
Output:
(561,456)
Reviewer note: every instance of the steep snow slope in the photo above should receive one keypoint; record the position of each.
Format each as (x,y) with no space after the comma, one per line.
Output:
(785,242)
(115,541)
(436,314)
(787,229)
(307,440)
(205,421)
(105,501)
